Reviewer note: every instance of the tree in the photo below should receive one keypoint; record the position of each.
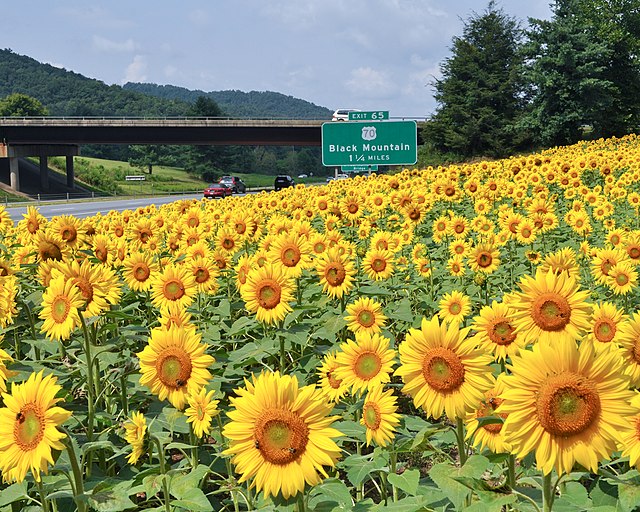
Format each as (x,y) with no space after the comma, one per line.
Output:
(21,105)
(480,94)
(576,76)
(209,161)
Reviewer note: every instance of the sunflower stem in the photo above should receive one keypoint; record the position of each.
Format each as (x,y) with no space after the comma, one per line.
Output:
(511,471)
(163,472)
(43,496)
(462,450)
(78,487)
(300,502)
(234,497)
(547,493)
(394,463)
(283,354)
(193,441)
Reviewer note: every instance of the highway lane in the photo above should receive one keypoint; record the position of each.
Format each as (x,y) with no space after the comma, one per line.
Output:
(89,207)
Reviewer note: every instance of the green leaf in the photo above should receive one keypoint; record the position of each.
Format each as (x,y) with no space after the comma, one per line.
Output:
(360,466)
(241,325)
(407,481)
(444,475)
(193,500)
(628,496)
(402,311)
(332,490)
(352,430)
(13,493)
(182,484)
(112,500)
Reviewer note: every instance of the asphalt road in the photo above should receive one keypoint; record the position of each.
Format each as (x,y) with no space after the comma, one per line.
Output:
(89,207)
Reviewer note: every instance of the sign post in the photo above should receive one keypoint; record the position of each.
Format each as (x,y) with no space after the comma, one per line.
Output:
(388,143)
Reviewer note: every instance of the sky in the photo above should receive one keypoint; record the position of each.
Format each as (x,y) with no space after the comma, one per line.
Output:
(362,54)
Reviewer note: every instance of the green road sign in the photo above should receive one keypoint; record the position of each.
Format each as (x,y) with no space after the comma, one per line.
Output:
(377,115)
(357,168)
(388,143)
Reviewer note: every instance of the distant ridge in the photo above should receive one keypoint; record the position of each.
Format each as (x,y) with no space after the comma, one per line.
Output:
(239,103)
(66,93)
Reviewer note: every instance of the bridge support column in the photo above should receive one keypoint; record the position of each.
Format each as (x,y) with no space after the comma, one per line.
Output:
(70,172)
(44,172)
(14,173)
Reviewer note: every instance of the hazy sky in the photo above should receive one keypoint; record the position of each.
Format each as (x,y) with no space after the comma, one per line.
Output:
(366,54)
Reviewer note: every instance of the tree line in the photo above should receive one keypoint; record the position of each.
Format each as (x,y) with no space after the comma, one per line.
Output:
(506,89)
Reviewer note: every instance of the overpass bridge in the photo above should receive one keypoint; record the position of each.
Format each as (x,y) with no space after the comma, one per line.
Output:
(62,136)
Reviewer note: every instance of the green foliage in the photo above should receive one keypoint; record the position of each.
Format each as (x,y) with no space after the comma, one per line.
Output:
(17,104)
(567,69)
(480,92)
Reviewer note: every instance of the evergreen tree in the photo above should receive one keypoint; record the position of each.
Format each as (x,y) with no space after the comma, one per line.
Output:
(568,67)
(480,94)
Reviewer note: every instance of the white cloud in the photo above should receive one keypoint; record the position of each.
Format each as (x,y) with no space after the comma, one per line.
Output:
(107,45)
(170,71)
(137,70)
(370,83)
(199,17)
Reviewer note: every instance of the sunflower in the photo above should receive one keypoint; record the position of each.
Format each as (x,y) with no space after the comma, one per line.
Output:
(605,323)
(98,285)
(526,232)
(629,341)
(489,435)
(378,264)
(629,441)
(68,229)
(561,261)
(333,388)
(442,371)
(336,272)
(50,247)
(550,308)
(135,429)
(365,362)
(292,252)
(5,373)
(365,315)
(566,403)
(280,435)
(379,416)
(268,292)
(202,408)
(454,307)
(175,284)
(61,303)
(139,270)
(622,278)
(174,364)
(28,432)
(496,332)
(32,222)
(455,266)
(205,273)
(604,260)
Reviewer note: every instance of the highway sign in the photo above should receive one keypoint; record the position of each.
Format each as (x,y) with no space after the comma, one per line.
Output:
(389,143)
(357,168)
(377,115)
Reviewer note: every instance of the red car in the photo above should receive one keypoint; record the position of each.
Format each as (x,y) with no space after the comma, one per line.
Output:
(217,190)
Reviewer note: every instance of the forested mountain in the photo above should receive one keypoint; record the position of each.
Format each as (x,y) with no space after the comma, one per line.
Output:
(65,93)
(255,104)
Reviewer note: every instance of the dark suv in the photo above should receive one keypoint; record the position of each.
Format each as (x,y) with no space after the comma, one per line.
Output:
(283,181)
(234,183)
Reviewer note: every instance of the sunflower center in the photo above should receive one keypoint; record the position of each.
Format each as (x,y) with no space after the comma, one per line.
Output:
(60,308)
(173,367)
(414,214)
(352,208)
(502,332)
(606,266)
(567,404)
(228,243)
(366,318)
(335,274)
(86,288)
(281,436)
(551,312)
(51,251)
(201,275)
(622,279)
(291,256)
(28,429)
(443,370)
(367,365)
(449,191)
(69,234)
(333,381)
(488,409)
(268,294)
(371,415)
(378,264)
(141,272)
(455,308)
(101,254)
(634,252)
(484,259)
(32,226)
(173,289)
(604,330)
(526,232)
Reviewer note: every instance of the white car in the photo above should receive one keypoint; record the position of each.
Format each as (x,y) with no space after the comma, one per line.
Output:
(342,114)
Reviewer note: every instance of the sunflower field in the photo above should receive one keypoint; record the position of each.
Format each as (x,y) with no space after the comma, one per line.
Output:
(451,338)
